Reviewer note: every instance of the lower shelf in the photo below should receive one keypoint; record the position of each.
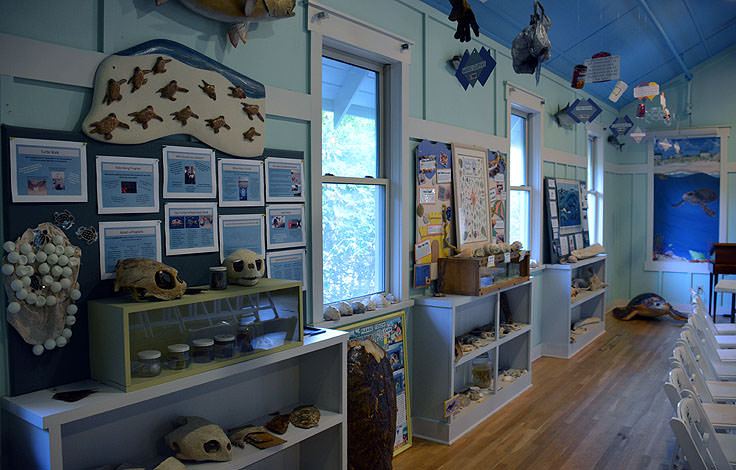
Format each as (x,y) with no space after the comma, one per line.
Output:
(448,431)
(566,351)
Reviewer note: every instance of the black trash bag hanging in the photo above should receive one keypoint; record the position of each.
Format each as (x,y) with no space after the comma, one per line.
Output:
(463,14)
(531,46)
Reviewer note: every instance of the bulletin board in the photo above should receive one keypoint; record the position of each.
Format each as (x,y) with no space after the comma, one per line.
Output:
(566,213)
(71,363)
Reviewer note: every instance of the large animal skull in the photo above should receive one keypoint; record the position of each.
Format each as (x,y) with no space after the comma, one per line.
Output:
(198,439)
(244,267)
(144,276)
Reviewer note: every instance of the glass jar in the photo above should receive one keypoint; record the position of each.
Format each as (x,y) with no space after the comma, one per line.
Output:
(202,350)
(218,277)
(224,346)
(178,356)
(245,335)
(482,371)
(149,363)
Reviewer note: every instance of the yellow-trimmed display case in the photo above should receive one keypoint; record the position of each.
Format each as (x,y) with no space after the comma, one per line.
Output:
(262,319)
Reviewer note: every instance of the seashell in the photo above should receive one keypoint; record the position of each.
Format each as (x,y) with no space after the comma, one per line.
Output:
(73,262)
(66,271)
(8,269)
(392,298)
(37,349)
(69,251)
(9,246)
(345,309)
(19,270)
(31,258)
(16,285)
(51,301)
(26,281)
(63,260)
(29,271)
(47,279)
(31,298)
(330,313)
(370,305)
(55,287)
(13,257)
(40,301)
(357,307)
(380,300)
(26,248)
(22,259)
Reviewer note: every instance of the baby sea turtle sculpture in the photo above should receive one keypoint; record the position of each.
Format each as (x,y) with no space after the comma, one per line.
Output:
(87,234)
(252,110)
(700,197)
(144,115)
(183,114)
(107,125)
(217,123)
(249,134)
(208,89)
(138,79)
(160,65)
(237,92)
(647,305)
(113,91)
(170,90)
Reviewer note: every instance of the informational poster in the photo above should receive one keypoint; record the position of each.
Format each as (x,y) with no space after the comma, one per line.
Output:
(288,264)
(127,185)
(472,221)
(566,217)
(284,180)
(388,331)
(191,227)
(48,170)
(133,239)
(497,195)
(189,173)
(240,183)
(242,231)
(284,226)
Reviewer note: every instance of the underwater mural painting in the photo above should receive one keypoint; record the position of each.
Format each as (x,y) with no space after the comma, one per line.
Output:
(686,201)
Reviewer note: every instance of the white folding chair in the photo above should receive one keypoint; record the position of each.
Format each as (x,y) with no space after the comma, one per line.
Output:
(708,343)
(703,447)
(712,370)
(715,390)
(719,341)
(699,308)
(722,415)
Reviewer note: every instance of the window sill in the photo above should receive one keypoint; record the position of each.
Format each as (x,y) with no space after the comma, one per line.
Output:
(351,319)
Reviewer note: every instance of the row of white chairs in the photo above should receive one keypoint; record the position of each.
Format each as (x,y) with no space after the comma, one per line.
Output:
(702,389)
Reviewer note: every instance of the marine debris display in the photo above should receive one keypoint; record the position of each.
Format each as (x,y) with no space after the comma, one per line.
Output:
(174,90)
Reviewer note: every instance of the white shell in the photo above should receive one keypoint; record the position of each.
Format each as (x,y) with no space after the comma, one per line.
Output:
(16,285)
(70,320)
(21,294)
(47,280)
(63,260)
(8,269)
(13,257)
(65,283)
(41,256)
(73,262)
(71,309)
(31,257)
(61,341)
(75,294)
(26,281)
(29,270)
(52,259)
(9,246)
(13,307)
(49,344)
(55,287)
(19,270)
(66,272)
(66,333)
(40,301)
(59,250)
(31,299)
(22,259)
(44,268)
(51,301)
(68,250)
(49,248)
(37,349)
(56,270)
(58,240)
(26,248)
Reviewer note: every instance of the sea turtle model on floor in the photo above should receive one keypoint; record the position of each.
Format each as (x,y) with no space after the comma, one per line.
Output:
(647,305)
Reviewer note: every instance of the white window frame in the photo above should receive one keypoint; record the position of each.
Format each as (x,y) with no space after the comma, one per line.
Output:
(594,184)
(527,169)
(331,30)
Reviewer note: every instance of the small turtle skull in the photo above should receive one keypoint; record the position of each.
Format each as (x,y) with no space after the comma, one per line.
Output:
(244,267)
(200,440)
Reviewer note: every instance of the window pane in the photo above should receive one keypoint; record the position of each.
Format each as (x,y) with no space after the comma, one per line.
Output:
(353,240)
(591,163)
(349,120)
(519,217)
(517,163)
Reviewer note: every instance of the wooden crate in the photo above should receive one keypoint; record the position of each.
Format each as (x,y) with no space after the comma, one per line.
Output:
(473,276)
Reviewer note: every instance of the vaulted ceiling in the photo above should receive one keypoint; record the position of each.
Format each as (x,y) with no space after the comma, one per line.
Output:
(656,39)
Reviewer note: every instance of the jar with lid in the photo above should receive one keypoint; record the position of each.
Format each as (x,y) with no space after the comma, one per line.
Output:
(224,346)
(149,363)
(202,350)
(178,356)
(482,371)
(245,335)
(218,277)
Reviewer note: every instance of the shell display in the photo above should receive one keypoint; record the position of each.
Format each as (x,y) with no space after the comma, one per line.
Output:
(143,276)
(305,417)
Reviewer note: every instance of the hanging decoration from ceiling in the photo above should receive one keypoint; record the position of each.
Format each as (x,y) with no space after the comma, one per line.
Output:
(475,67)
(463,14)
(637,134)
(532,46)
(603,67)
(186,93)
(578,76)
(240,13)
(618,90)
(621,126)
(583,111)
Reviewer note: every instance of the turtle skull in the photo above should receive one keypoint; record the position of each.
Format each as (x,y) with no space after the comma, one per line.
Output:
(244,267)
(198,439)
(143,276)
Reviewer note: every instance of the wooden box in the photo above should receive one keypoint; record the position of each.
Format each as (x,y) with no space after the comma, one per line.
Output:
(475,276)
(120,327)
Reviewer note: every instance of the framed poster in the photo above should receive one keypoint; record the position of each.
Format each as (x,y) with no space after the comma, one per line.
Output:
(189,173)
(284,180)
(242,231)
(566,216)
(133,239)
(284,226)
(389,332)
(191,227)
(287,264)
(570,195)
(127,185)
(44,171)
(472,223)
(687,215)
(240,183)
(497,195)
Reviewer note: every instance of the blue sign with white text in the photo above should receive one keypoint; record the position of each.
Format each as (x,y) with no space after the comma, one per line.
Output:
(621,126)
(583,111)
(475,66)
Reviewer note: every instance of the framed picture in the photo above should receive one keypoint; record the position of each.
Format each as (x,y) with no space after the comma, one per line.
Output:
(284,180)
(566,214)
(240,182)
(242,231)
(189,173)
(284,226)
(470,168)
(569,206)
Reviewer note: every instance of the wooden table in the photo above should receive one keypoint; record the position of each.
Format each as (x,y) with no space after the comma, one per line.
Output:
(724,262)
(728,287)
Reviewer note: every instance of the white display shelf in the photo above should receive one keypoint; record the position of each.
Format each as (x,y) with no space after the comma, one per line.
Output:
(514,334)
(586,296)
(469,356)
(579,264)
(586,338)
(350,319)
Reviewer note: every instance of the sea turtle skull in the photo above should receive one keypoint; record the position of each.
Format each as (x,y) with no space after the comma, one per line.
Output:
(198,439)
(244,267)
(145,276)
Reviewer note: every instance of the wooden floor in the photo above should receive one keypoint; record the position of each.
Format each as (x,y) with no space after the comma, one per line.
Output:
(603,409)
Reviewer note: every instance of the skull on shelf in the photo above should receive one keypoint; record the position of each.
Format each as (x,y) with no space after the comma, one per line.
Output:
(244,267)
(143,276)
(198,439)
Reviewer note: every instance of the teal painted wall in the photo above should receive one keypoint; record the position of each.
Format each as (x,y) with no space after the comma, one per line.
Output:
(627,212)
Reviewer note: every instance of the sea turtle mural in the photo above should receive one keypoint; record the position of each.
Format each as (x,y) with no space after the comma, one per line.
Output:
(647,305)
(699,197)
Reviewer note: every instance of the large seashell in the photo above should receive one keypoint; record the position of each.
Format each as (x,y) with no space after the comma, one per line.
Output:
(345,309)
(331,313)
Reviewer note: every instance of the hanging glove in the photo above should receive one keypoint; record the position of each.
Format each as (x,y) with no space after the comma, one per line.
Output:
(463,14)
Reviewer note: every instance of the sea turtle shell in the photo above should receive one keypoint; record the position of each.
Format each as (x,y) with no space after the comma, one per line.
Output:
(647,305)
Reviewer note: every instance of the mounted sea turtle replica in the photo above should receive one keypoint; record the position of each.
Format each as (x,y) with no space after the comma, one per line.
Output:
(647,305)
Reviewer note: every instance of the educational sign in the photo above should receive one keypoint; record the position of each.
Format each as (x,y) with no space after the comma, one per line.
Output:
(284,227)
(191,227)
(127,185)
(646,90)
(284,180)
(388,332)
(621,126)
(497,195)
(583,111)
(242,231)
(48,170)
(603,67)
(289,264)
(637,134)
(240,183)
(189,173)
(475,67)
(133,239)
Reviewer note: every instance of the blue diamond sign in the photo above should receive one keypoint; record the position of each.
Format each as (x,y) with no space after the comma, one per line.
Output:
(621,126)
(584,111)
(475,67)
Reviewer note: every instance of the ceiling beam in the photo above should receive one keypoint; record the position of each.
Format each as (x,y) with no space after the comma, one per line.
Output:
(697,28)
(667,39)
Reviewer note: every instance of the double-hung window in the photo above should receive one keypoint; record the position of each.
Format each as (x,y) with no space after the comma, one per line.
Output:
(520,187)
(354,187)
(595,190)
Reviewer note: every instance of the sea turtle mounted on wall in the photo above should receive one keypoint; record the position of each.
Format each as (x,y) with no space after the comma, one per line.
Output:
(647,305)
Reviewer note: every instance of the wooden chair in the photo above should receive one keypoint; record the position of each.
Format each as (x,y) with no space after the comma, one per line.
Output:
(708,343)
(703,447)
(719,341)
(711,370)
(716,328)
(715,390)
(722,415)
